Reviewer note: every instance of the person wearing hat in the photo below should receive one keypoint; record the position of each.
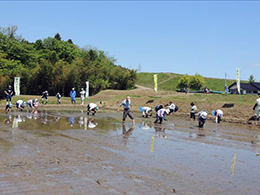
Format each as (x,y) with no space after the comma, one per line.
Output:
(202,117)
(73,96)
(82,95)
(8,107)
(20,104)
(218,114)
(161,115)
(91,107)
(256,108)
(127,111)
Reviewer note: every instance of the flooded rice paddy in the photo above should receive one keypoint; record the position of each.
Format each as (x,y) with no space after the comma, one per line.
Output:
(58,152)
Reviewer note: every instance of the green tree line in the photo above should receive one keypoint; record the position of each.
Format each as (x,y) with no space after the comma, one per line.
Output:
(57,65)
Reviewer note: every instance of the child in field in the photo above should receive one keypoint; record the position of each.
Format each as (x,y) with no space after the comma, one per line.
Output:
(256,108)
(218,114)
(45,97)
(58,96)
(73,96)
(36,105)
(202,117)
(20,104)
(8,107)
(146,111)
(172,107)
(91,107)
(29,104)
(82,95)
(193,111)
(161,115)
(9,92)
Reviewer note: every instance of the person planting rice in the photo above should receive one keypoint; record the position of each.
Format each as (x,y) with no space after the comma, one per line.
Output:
(146,111)
(127,111)
(202,117)
(8,107)
(172,107)
(218,114)
(162,115)
(36,104)
(30,104)
(91,107)
(20,104)
(256,108)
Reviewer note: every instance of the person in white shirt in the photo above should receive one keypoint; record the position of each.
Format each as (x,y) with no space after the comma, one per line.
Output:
(82,95)
(202,117)
(218,114)
(146,111)
(20,104)
(193,111)
(256,108)
(172,107)
(91,107)
(29,104)
(162,115)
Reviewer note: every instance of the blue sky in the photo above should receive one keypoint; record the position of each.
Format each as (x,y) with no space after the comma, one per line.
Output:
(209,38)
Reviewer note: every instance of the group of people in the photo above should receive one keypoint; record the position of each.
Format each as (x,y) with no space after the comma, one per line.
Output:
(73,95)
(161,110)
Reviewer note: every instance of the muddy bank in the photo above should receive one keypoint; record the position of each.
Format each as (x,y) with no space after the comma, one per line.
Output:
(68,152)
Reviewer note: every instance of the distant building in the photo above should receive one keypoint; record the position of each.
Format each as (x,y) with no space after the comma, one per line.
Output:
(245,88)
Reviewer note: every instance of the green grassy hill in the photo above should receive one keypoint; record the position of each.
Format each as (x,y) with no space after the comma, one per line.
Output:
(169,81)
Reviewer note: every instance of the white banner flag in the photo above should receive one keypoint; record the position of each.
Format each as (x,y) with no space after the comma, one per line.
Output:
(238,80)
(87,89)
(17,85)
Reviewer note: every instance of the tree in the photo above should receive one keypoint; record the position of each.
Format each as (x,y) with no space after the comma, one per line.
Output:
(184,82)
(57,36)
(196,82)
(251,79)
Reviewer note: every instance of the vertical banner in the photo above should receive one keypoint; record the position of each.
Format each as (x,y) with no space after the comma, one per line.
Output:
(87,89)
(17,85)
(238,80)
(155,82)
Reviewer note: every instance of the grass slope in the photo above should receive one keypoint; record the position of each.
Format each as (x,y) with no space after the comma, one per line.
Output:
(169,81)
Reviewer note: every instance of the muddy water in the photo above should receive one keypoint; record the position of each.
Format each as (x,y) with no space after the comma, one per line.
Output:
(58,152)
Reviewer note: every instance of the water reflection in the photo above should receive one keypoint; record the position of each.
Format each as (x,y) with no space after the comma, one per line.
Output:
(127,133)
(160,132)
(146,125)
(71,120)
(91,123)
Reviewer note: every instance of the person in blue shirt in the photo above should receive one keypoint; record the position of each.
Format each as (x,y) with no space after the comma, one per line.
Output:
(127,111)
(73,96)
